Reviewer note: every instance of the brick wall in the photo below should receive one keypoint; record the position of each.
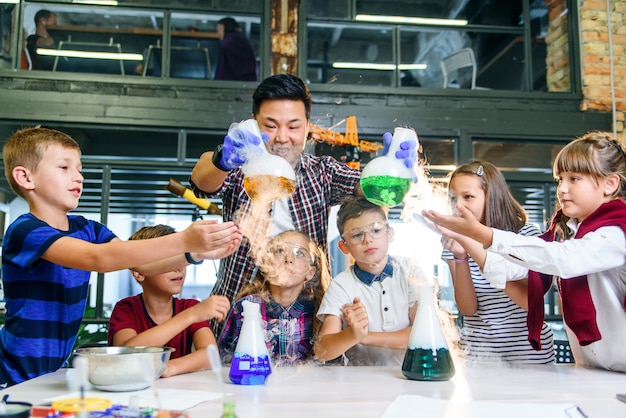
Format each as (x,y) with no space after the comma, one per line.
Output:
(596,63)
(557,47)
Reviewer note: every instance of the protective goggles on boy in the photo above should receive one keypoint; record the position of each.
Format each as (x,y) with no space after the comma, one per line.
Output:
(357,235)
(298,252)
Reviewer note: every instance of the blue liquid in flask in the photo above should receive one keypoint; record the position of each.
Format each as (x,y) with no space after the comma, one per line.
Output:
(248,370)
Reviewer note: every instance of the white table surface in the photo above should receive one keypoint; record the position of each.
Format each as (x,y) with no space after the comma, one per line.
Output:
(333,391)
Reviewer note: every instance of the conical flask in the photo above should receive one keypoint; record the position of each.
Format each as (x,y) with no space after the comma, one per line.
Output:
(251,362)
(427,356)
(386,180)
(267,177)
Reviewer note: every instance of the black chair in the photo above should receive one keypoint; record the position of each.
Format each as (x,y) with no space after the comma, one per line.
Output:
(185,62)
(563,351)
(89,65)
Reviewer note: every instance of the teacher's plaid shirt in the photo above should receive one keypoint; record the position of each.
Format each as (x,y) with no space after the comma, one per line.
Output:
(322,182)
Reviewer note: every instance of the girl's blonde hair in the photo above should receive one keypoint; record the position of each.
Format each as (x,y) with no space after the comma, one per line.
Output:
(596,154)
(502,211)
(313,289)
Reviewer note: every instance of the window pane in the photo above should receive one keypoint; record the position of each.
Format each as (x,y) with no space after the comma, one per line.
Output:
(510,53)
(110,31)
(336,9)
(511,156)
(494,54)
(476,12)
(348,54)
(247,5)
(197,56)
(358,48)
(437,152)
(8,17)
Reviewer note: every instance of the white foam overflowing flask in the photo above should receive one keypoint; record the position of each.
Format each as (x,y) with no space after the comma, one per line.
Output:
(427,356)
(251,362)
(386,180)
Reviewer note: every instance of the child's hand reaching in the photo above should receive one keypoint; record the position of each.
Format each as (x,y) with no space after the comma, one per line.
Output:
(465,224)
(214,307)
(212,239)
(231,242)
(356,317)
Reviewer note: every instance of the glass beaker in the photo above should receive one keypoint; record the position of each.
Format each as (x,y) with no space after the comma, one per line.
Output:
(427,356)
(267,177)
(386,180)
(251,362)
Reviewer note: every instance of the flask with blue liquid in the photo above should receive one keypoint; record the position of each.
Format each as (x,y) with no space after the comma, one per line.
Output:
(251,362)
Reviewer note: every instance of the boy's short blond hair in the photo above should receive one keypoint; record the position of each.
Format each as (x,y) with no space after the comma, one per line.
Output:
(26,147)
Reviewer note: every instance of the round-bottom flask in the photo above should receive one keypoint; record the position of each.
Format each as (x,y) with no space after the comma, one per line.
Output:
(427,356)
(267,177)
(386,180)
(267,186)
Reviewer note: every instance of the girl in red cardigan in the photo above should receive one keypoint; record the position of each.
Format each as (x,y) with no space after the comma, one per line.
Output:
(584,250)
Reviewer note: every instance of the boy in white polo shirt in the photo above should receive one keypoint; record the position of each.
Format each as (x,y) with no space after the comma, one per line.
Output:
(368,309)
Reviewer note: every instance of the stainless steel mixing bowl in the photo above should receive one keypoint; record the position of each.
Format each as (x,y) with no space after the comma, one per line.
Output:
(120,369)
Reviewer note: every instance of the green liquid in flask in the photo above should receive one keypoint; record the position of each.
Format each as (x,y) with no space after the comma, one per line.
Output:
(428,364)
(385,190)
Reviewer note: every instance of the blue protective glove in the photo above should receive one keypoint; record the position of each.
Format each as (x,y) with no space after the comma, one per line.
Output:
(239,145)
(407,152)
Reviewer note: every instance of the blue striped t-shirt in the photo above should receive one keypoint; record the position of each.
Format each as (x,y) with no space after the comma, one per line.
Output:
(45,302)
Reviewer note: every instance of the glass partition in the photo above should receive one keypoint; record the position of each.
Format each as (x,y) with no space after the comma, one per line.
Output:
(232,5)
(438,153)
(512,155)
(350,54)
(196,46)
(8,18)
(505,44)
(476,12)
(114,41)
(132,42)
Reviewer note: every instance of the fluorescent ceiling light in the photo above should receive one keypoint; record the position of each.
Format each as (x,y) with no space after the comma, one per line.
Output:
(372,66)
(89,54)
(96,2)
(412,67)
(9,1)
(411,20)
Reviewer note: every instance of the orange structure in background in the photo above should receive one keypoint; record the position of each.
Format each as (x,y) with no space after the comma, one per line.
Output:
(351,139)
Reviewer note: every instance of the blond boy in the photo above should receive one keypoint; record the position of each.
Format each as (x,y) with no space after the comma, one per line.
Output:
(48,254)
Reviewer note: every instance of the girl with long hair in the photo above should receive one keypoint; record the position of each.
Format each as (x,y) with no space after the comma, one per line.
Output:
(294,276)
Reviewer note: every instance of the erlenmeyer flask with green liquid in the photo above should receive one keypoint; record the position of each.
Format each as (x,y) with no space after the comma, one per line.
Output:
(427,356)
(386,180)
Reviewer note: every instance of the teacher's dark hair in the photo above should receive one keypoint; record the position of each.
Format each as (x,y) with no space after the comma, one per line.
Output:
(282,87)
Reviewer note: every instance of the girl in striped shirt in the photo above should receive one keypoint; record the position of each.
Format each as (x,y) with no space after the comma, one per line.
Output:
(494,311)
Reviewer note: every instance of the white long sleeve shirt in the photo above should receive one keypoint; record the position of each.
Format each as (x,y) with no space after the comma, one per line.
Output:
(601,255)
